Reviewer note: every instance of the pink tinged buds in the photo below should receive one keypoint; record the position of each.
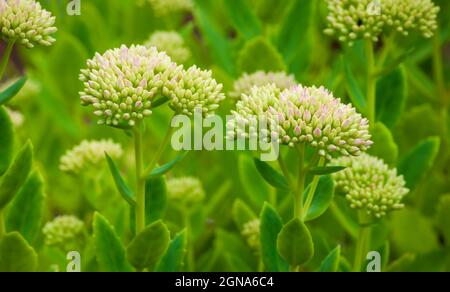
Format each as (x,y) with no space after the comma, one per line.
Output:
(122,83)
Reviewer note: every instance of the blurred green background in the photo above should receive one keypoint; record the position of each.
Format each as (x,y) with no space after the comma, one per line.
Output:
(231,37)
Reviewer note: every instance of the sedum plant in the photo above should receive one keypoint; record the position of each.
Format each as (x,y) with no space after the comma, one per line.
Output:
(65,232)
(88,154)
(370,21)
(123,86)
(346,165)
(374,189)
(246,82)
(24,22)
(300,118)
(170,42)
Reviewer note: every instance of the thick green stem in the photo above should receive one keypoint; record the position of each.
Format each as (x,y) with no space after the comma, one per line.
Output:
(388,43)
(361,248)
(362,244)
(438,70)
(140,181)
(312,190)
(371,82)
(159,152)
(6,56)
(2,224)
(190,246)
(298,197)
(285,172)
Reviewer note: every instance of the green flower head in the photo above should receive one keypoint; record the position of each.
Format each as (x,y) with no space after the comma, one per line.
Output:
(350,20)
(88,154)
(64,231)
(194,90)
(250,232)
(122,83)
(246,82)
(170,42)
(370,185)
(26,22)
(188,190)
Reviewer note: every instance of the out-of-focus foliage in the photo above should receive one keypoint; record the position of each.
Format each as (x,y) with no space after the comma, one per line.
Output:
(230,37)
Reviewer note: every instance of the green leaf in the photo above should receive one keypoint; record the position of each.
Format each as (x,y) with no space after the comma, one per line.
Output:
(242,18)
(411,232)
(7,140)
(273,177)
(270,227)
(218,44)
(121,185)
(331,261)
(421,82)
(12,90)
(325,170)
(396,63)
(401,264)
(391,97)
(269,11)
(27,208)
(384,146)
(443,218)
(159,171)
(146,249)
(355,92)
(172,260)
(294,29)
(259,54)
(295,243)
(155,199)
(417,162)
(159,102)
(108,247)
(242,214)
(16,174)
(322,198)
(254,185)
(16,255)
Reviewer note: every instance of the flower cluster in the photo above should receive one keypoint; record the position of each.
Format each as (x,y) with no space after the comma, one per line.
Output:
(122,83)
(88,153)
(370,185)
(246,82)
(170,42)
(355,19)
(26,22)
(63,231)
(188,190)
(250,231)
(304,115)
(193,90)
(165,7)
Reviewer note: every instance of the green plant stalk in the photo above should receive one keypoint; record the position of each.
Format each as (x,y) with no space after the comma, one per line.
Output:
(362,243)
(285,171)
(438,70)
(158,153)
(6,56)
(140,181)
(388,44)
(312,190)
(2,224)
(190,247)
(298,196)
(371,82)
